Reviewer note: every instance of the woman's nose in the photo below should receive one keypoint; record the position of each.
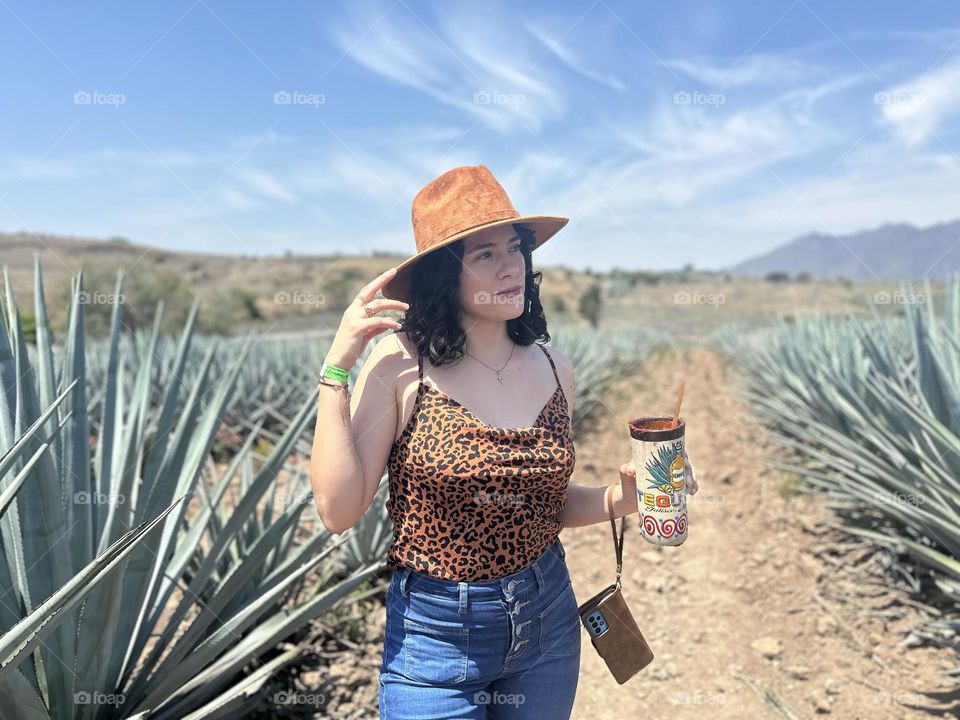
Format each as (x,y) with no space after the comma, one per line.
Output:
(510,267)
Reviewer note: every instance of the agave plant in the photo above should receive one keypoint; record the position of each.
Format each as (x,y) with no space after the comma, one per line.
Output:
(371,536)
(870,412)
(275,379)
(115,601)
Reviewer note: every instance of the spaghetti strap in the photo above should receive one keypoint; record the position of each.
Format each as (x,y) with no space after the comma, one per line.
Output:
(416,400)
(554,367)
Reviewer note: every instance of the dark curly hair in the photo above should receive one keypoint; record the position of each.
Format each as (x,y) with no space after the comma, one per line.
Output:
(432,321)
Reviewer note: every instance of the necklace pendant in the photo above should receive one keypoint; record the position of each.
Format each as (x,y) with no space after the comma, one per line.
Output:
(499,377)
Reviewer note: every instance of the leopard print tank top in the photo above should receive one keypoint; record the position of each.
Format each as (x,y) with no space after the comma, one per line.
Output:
(470,501)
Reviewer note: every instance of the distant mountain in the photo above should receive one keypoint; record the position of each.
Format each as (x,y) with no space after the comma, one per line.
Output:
(893,251)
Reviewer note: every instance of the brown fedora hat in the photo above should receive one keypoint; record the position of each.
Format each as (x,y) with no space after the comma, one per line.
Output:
(461,202)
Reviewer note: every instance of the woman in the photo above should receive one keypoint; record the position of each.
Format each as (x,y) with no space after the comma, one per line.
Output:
(481,615)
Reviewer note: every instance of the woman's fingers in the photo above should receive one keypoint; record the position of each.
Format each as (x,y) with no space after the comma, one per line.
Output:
(369,290)
(690,479)
(373,325)
(381,304)
(688,476)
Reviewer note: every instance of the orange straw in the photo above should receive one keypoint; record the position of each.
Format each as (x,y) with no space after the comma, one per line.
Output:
(676,410)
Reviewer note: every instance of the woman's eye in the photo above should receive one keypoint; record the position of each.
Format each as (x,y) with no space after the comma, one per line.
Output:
(487,254)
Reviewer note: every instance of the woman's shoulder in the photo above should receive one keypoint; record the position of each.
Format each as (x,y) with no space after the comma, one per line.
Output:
(397,351)
(388,356)
(400,343)
(560,358)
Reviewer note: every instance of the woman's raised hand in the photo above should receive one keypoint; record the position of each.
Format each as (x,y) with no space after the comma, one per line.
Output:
(360,322)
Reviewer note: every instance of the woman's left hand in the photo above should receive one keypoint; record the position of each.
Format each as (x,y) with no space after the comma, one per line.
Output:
(628,485)
(689,479)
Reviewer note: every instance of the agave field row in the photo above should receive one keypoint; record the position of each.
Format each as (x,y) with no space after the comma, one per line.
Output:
(115,601)
(868,412)
(140,576)
(279,375)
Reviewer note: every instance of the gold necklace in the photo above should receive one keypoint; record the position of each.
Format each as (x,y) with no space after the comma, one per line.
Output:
(498,372)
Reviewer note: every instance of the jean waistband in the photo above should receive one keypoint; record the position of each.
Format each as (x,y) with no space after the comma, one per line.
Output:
(509,586)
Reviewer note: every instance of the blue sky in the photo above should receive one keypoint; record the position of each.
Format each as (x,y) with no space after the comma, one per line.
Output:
(702,132)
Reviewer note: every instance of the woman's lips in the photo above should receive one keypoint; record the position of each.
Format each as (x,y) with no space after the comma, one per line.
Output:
(508,293)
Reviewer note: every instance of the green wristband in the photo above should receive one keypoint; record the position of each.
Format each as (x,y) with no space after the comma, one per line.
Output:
(334,373)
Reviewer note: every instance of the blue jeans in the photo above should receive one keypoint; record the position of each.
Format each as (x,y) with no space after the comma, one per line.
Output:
(505,648)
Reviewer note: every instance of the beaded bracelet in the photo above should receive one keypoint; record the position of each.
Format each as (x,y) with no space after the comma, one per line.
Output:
(338,386)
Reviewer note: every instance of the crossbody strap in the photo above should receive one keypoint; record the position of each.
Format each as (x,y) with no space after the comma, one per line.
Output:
(617,544)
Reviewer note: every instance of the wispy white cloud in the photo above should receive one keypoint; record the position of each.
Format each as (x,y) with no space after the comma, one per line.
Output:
(686,151)
(474,67)
(266,185)
(563,53)
(758,69)
(238,200)
(918,107)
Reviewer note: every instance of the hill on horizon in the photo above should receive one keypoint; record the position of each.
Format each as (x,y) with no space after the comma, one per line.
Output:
(890,252)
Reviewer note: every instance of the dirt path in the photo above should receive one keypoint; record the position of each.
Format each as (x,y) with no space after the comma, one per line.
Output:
(760,613)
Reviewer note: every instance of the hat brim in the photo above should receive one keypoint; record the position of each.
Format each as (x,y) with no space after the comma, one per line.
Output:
(543,226)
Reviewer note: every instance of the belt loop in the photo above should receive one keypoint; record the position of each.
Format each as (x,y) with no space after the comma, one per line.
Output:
(539,574)
(463,597)
(404,576)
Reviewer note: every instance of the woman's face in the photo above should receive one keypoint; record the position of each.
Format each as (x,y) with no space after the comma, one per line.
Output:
(492,263)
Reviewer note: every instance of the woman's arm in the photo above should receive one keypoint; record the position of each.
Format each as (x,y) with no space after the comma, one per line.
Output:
(351,442)
(584,504)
